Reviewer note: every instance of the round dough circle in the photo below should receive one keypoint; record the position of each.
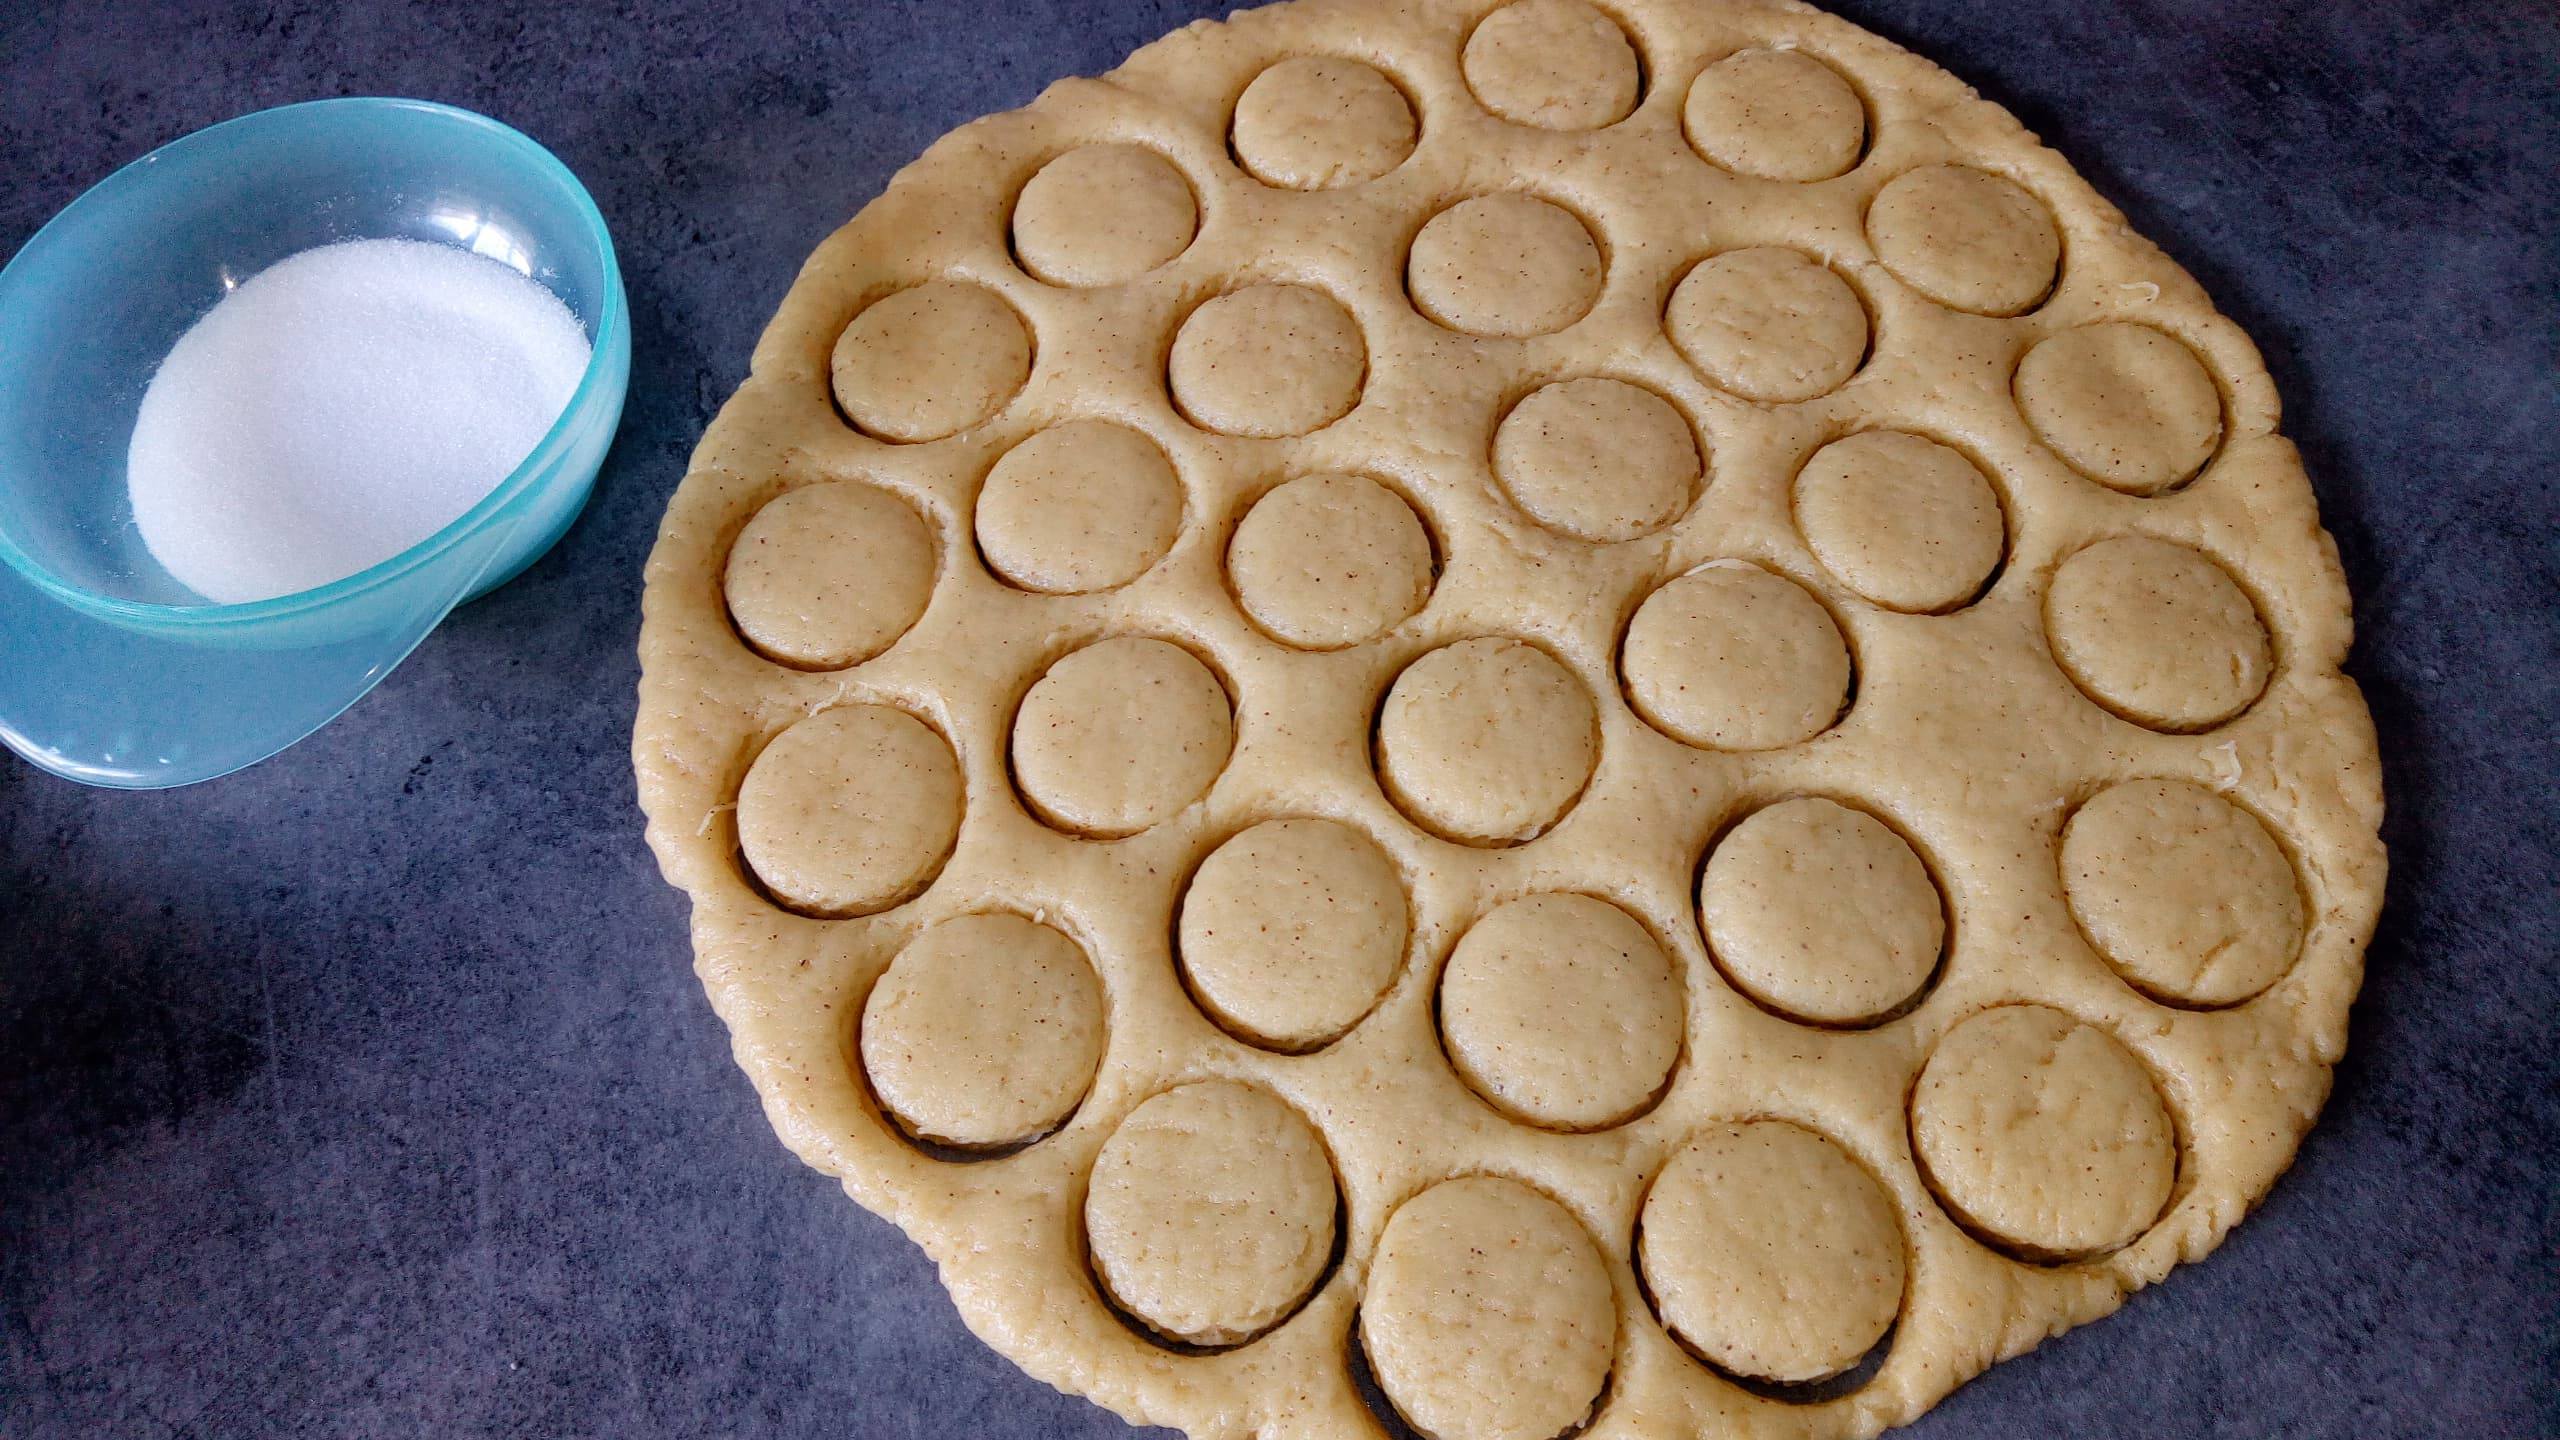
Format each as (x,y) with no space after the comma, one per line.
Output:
(1562,1012)
(850,811)
(1731,657)
(1120,736)
(1554,64)
(1903,520)
(1087,505)
(1487,741)
(1596,459)
(930,361)
(1291,931)
(1965,238)
(1771,1253)
(1316,121)
(1101,214)
(1210,1214)
(1489,1314)
(2183,892)
(1326,561)
(2043,1135)
(2122,404)
(1268,360)
(984,1033)
(1822,913)
(1506,265)
(2157,633)
(1768,324)
(1775,114)
(829,575)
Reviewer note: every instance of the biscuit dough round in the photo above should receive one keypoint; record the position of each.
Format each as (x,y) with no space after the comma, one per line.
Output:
(1638,631)
(1820,912)
(1506,265)
(1064,238)
(1561,1011)
(983,1033)
(1965,238)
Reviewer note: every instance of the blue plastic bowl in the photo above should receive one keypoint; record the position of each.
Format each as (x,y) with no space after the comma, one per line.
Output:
(110,671)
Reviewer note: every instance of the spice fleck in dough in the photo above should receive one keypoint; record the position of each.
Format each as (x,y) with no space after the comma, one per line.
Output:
(1494,719)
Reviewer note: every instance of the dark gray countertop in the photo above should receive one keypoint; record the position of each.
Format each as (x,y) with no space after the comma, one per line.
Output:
(370,1093)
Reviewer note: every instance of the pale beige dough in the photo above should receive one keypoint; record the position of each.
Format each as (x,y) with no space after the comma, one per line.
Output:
(1340,629)
(1211,1212)
(1776,114)
(984,1033)
(1326,561)
(2125,405)
(1768,324)
(2157,633)
(1561,1011)
(2185,893)
(1771,1253)
(850,811)
(1731,657)
(1291,931)
(1966,239)
(1268,360)
(1489,1315)
(1063,237)
(829,575)
(1554,64)
(1120,735)
(1488,741)
(1903,520)
(1597,459)
(1821,912)
(2043,1134)
(1504,265)
(1087,505)
(1315,121)
(930,361)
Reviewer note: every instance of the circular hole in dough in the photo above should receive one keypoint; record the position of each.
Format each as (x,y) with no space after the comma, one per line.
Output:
(984,1033)
(1119,736)
(1966,238)
(1553,64)
(1562,1011)
(829,575)
(1902,520)
(1598,459)
(1326,561)
(1487,741)
(1732,657)
(850,811)
(1268,360)
(1290,932)
(930,361)
(2183,892)
(1777,115)
(2043,1136)
(2123,404)
(1317,121)
(1821,913)
(1771,1254)
(1083,506)
(1506,265)
(1489,1314)
(1768,324)
(2157,634)
(1102,214)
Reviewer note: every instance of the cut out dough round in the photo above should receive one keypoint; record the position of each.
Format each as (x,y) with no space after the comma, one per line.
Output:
(1489,1315)
(1561,1011)
(984,1033)
(829,575)
(1210,1214)
(2157,633)
(2185,893)
(1087,505)
(1771,1253)
(1504,265)
(1821,912)
(1268,740)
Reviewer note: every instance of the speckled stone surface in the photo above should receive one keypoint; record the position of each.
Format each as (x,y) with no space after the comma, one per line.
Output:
(370,1093)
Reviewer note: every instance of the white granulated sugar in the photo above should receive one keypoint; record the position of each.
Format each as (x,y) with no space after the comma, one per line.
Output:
(341,406)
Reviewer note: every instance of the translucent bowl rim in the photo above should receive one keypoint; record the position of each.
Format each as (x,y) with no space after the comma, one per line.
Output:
(520,482)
